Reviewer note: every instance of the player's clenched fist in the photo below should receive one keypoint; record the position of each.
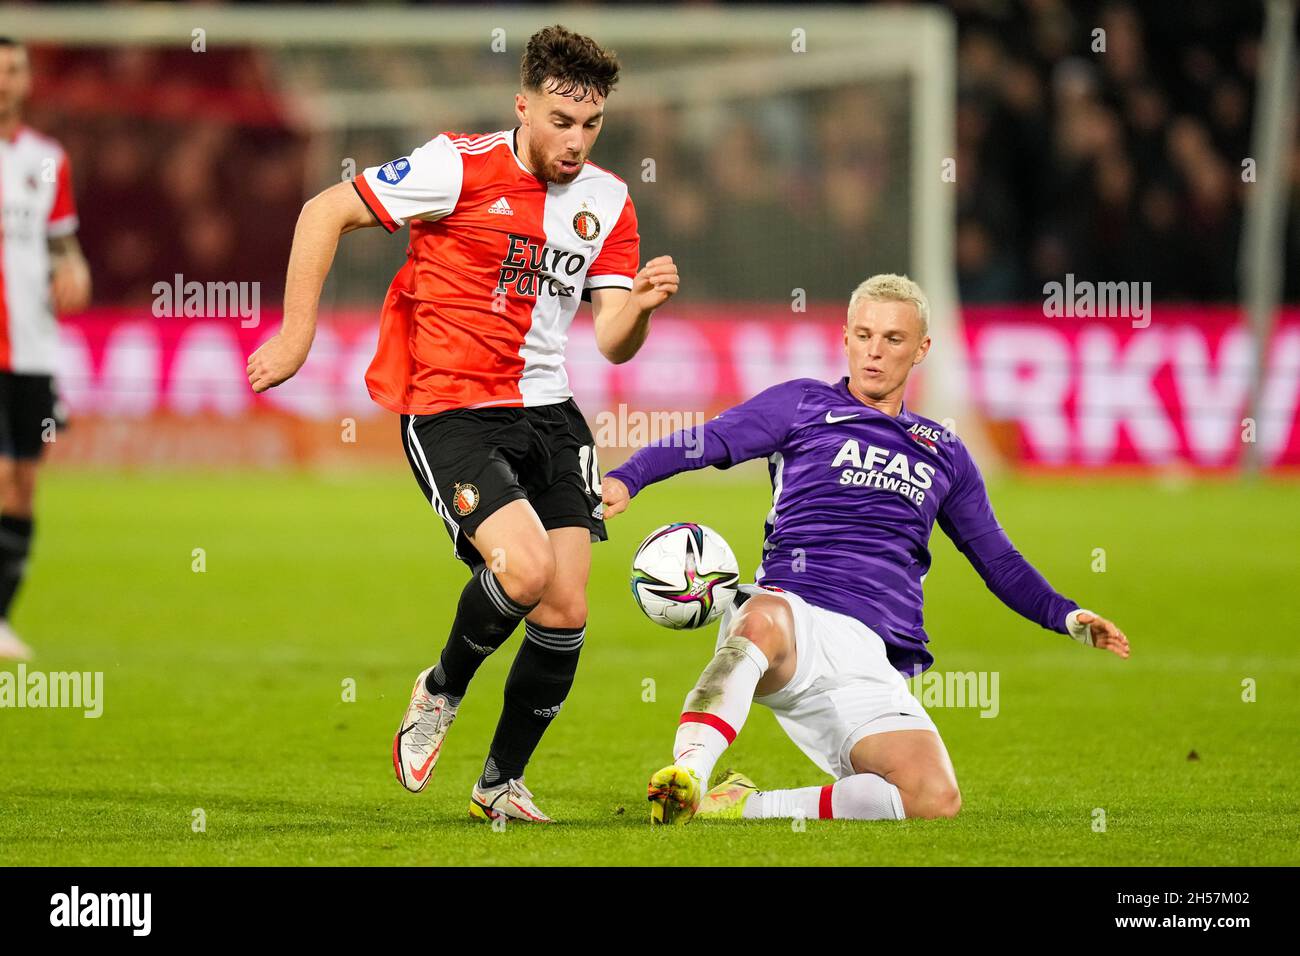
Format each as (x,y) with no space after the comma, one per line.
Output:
(276,361)
(614,494)
(655,283)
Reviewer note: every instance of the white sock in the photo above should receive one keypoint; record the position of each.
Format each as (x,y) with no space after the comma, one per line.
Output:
(716,708)
(863,796)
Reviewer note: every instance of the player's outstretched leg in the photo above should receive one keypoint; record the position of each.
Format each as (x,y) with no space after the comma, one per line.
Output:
(757,655)
(714,712)
(485,618)
(757,649)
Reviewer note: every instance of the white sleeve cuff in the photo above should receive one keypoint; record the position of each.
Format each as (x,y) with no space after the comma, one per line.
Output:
(1079,632)
(59,228)
(608,282)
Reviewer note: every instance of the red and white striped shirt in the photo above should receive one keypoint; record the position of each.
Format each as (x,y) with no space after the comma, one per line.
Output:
(36,205)
(498,261)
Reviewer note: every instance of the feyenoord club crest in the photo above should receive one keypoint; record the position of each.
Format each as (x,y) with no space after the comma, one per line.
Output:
(586,225)
(465,498)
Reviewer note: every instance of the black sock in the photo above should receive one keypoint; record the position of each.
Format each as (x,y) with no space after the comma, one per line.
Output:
(485,619)
(539,682)
(15,544)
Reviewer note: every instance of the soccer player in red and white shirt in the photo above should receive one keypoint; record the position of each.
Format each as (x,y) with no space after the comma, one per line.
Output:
(508,232)
(42,274)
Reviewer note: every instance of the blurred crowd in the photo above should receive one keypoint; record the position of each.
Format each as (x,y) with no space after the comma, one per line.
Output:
(181,163)
(1099,138)
(1103,139)
(782,194)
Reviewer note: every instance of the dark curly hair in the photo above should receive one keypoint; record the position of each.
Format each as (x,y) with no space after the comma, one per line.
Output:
(574,64)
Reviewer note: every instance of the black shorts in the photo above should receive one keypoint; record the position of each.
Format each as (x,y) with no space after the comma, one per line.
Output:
(28,412)
(471,461)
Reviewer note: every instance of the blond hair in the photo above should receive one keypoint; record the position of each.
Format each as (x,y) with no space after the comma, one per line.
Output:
(889,287)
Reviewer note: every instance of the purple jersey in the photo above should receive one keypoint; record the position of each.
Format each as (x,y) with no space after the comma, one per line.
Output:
(855,495)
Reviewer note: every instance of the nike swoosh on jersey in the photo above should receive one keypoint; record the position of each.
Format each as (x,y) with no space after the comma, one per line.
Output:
(832,419)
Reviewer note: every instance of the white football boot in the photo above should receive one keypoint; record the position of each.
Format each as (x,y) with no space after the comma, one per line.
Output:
(11,648)
(419,738)
(509,799)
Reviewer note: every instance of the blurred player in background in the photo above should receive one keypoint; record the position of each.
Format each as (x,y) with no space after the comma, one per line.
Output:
(42,274)
(509,230)
(835,623)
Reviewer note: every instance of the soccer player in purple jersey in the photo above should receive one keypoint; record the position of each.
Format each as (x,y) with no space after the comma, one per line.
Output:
(834,622)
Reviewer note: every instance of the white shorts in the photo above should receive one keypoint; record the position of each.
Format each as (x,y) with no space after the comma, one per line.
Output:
(843,688)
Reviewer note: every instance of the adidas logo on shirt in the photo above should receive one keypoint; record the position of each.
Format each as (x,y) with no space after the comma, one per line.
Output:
(501,207)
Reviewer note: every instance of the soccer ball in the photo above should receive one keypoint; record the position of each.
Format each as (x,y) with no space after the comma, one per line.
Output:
(684,575)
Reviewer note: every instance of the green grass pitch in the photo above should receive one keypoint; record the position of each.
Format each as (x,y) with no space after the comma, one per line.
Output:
(224,689)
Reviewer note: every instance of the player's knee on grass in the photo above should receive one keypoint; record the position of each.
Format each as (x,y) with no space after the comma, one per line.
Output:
(917,763)
(930,798)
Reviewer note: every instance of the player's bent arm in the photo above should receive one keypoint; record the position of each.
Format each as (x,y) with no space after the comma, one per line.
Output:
(617,340)
(69,275)
(622,317)
(324,218)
